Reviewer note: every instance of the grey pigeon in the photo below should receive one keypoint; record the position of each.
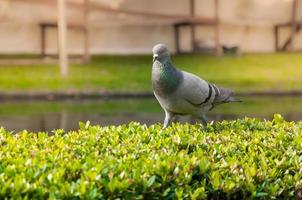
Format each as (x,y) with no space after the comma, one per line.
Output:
(182,93)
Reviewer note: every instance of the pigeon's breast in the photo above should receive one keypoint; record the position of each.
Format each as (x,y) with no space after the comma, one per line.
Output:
(165,79)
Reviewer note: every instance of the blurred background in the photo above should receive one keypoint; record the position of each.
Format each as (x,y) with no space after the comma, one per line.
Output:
(65,61)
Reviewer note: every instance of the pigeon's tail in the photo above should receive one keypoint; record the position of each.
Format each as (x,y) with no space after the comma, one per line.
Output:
(225,96)
(232,99)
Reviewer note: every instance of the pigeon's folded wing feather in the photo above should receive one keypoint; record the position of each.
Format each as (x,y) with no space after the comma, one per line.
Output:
(193,89)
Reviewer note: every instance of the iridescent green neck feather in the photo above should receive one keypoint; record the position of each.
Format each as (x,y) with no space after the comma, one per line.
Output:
(165,78)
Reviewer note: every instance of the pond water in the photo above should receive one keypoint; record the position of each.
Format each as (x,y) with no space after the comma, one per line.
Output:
(47,116)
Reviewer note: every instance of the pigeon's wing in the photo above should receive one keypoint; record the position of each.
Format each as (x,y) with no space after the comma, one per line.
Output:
(195,90)
(199,92)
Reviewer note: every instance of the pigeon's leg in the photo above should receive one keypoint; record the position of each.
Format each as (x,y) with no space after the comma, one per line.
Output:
(175,118)
(168,119)
(204,120)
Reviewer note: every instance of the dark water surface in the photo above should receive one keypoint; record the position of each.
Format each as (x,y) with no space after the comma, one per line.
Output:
(47,116)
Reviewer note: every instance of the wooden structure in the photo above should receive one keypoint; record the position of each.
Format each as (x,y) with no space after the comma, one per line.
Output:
(62,42)
(295,27)
(62,35)
(190,20)
(45,26)
(192,23)
(63,26)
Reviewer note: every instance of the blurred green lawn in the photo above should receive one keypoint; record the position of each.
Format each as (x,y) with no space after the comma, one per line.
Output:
(252,106)
(252,72)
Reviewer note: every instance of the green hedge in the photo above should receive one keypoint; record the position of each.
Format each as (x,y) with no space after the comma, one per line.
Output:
(246,158)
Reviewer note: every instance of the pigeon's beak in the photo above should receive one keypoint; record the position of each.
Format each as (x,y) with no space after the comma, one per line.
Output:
(155,56)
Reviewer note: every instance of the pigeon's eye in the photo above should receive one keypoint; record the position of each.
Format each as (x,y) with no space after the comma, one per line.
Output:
(155,57)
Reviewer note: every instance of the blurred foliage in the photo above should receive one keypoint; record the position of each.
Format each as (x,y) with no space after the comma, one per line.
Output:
(246,158)
(251,106)
(257,72)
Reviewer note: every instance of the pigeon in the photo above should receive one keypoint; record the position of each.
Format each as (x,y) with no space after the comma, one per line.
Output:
(182,93)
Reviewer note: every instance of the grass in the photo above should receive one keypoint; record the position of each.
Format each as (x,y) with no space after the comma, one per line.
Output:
(251,106)
(242,159)
(254,72)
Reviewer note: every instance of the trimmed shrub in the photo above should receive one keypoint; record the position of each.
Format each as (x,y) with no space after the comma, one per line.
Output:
(246,158)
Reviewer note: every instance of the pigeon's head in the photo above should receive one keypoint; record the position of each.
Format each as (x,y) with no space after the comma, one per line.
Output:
(160,53)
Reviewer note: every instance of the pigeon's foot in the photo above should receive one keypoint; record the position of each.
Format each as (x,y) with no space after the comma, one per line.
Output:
(204,125)
(164,127)
(204,121)
(168,119)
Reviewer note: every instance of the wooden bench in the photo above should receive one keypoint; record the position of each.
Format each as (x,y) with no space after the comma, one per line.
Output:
(192,24)
(293,24)
(200,21)
(295,28)
(77,27)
